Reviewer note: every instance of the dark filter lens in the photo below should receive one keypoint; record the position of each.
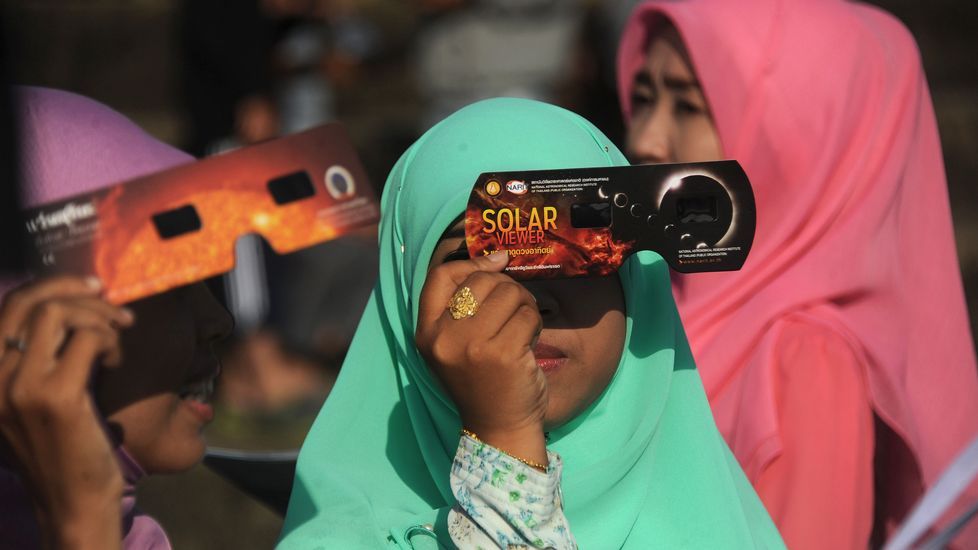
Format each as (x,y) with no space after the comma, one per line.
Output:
(176,222)
(596,214)
(291,188)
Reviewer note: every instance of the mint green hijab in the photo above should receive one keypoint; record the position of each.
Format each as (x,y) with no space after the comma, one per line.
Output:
(644,466)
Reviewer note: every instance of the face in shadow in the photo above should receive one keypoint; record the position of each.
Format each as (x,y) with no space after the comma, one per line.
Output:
(583,332)
(156,402)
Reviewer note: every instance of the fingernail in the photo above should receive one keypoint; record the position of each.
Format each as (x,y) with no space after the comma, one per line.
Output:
(498,256)
(128,314)
(93,283)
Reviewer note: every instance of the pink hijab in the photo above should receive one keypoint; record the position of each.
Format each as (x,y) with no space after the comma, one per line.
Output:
(825,105)
(70,145)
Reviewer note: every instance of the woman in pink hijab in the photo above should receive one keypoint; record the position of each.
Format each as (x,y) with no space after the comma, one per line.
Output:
(92,396)
(841,351)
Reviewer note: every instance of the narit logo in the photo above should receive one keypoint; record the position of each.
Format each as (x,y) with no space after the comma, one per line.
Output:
(516,187)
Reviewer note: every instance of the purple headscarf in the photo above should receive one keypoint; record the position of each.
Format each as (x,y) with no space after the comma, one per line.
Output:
(71,145)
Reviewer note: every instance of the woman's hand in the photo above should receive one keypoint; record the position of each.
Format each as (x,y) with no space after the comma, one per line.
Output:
(53,333)
(486,361)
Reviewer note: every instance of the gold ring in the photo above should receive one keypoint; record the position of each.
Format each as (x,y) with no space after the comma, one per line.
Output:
(463,303)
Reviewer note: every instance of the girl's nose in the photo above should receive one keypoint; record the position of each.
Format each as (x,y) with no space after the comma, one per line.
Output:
(649,142)
(547,304)
(214,322)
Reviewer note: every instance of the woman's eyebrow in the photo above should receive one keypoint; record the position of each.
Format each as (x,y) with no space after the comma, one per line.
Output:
(642,78)
(673,82)
(678,83)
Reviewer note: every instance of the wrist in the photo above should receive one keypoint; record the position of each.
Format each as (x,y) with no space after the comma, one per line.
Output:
(88,533)
(91,522)
(528,444)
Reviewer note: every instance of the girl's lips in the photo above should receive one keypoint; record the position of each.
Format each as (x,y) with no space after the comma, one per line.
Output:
(548,357)
(203,411)
(196,393)
(549,365)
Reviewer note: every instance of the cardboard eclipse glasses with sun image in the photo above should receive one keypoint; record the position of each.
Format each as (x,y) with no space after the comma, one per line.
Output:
(585,222)
(154,233)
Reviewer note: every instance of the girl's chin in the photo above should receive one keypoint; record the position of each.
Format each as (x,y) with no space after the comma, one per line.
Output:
(178,458)
(175,451)
(163,434)
(555,419)
(194,449)
(560,413)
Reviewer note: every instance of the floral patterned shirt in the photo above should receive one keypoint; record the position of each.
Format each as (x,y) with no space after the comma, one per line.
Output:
(504,503)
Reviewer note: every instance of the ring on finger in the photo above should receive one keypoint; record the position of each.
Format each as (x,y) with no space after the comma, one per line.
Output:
(16,344)
(463,303)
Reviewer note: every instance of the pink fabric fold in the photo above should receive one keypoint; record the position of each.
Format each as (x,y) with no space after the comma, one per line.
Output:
(826,106)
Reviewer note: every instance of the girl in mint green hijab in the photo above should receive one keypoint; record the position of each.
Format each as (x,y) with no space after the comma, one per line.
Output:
(633,457)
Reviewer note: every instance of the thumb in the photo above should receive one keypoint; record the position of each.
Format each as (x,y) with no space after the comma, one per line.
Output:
(496,261)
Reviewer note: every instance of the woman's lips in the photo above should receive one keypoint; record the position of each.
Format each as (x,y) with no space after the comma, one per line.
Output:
(203,411)
(197,392)
(548,357)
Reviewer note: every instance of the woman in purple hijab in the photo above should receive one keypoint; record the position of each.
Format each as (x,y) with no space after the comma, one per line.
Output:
(92,396)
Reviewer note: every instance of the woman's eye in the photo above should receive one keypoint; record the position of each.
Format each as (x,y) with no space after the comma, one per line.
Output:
(687,108)
(641,100)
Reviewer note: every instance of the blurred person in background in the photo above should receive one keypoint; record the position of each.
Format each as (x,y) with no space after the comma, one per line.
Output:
(840,354)
(469,50)
(94,397)
(255,70)
(298,318)
(227,72)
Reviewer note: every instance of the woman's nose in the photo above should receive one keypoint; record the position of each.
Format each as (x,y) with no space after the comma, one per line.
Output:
(221,325)
(214,321)
(649,141)
(547,304)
